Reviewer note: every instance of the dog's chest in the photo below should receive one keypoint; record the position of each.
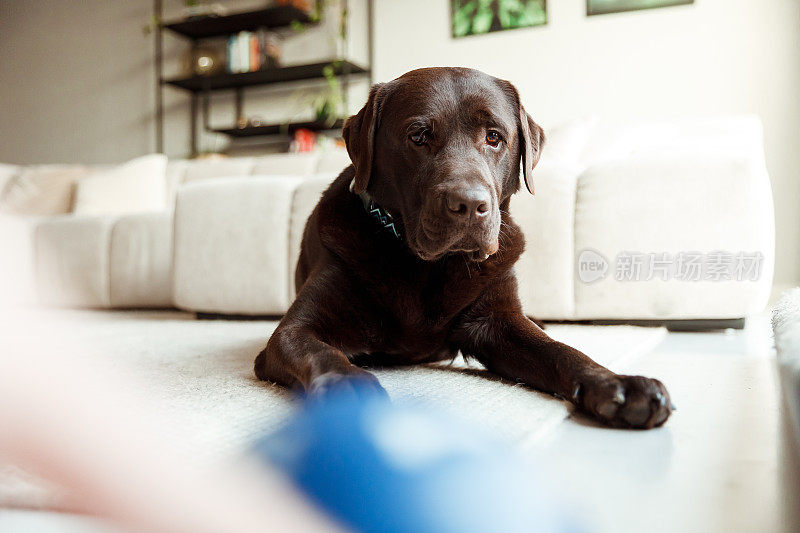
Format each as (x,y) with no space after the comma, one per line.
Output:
(419,303)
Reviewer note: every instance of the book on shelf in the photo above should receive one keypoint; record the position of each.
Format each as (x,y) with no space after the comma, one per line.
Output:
(245,52)
(250,51)
(255,58)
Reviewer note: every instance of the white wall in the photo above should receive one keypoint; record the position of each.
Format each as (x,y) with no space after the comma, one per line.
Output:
(75,78)
(713,57)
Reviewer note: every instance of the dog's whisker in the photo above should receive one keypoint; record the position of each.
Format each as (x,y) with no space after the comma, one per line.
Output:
(466,264)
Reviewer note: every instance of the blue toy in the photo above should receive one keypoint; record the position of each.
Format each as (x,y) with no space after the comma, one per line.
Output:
(381,467)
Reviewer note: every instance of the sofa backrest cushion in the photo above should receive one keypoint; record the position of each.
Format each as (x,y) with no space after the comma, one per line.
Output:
(735,135)
(42,190)
(679,137)
(136,186)
(175,175)
(334,160)
(565,143)
(203,169)
(7,172)
(583,143)
(290,164)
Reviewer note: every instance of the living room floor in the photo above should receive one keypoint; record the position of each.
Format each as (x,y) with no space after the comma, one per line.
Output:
(719,464)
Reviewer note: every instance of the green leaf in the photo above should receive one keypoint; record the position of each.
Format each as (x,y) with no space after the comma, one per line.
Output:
(535,14)
(510,5)
(504,14)
(482,20)
(462,17)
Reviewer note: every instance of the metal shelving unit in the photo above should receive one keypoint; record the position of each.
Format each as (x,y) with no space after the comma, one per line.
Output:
(201,87)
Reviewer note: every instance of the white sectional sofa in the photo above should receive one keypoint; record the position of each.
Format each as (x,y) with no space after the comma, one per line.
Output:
(620,215)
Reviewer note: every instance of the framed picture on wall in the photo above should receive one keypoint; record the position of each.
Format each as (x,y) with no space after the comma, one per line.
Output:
(601,7)
(475,17)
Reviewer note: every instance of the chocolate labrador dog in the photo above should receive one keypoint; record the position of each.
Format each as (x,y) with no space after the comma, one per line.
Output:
(409,255)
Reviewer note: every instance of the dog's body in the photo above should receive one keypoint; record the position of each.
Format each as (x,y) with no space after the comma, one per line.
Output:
(439,151)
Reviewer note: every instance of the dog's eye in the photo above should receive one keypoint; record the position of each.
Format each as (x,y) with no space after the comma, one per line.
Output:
(493,138)
(419,138)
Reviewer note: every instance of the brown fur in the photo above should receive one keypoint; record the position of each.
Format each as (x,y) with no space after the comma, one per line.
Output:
(364,296)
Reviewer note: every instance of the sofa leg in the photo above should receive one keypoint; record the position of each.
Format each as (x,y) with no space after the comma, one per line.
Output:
(707,324)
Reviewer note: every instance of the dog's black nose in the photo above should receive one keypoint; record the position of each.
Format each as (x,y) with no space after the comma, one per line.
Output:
(468,202)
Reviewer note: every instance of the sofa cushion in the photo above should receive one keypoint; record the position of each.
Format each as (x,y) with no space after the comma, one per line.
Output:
(17,260)
(203,169)
(565,144)
(615,141)
(544,271)
(42,190)
(628,210)
(140,261)
(135,186)
(175,176)
(7,172)
(334,160)
(735,135)
(231,245)
(72,261)
(290,164)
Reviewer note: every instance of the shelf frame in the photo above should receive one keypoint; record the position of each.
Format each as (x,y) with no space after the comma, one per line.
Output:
(201,88)
(270,76)
(279,129)
(209,27)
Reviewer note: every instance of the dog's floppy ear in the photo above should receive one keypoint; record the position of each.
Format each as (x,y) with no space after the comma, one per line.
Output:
(359,136)
(532,139)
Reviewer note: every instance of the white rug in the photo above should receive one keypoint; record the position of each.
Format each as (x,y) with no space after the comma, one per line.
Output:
(200,373)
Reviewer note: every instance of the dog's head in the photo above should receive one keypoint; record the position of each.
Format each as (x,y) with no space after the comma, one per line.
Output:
(441,148)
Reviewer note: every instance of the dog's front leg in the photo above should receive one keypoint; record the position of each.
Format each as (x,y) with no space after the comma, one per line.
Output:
(297,356)
(497,334)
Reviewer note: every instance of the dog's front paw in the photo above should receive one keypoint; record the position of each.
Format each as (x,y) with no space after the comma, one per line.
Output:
(358,384)
(625,401)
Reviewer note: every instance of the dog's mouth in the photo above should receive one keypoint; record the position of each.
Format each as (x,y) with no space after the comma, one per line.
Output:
(477,255)
(430,245)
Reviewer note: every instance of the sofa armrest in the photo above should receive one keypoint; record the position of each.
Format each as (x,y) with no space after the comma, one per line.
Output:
(17,259)
(140,261)
(231,245)
(713,210)
(72,267)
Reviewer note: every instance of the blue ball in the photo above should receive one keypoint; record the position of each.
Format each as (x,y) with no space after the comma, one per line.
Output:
(382,467)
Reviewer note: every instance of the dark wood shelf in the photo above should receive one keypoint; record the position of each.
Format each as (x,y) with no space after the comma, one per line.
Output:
(278,129)
(261,77)
(212,26)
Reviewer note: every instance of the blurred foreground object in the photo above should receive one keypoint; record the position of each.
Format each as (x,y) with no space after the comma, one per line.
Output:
(382,467)
(74,422)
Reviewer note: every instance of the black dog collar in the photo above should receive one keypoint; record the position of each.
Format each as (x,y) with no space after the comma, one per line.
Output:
(378,213)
